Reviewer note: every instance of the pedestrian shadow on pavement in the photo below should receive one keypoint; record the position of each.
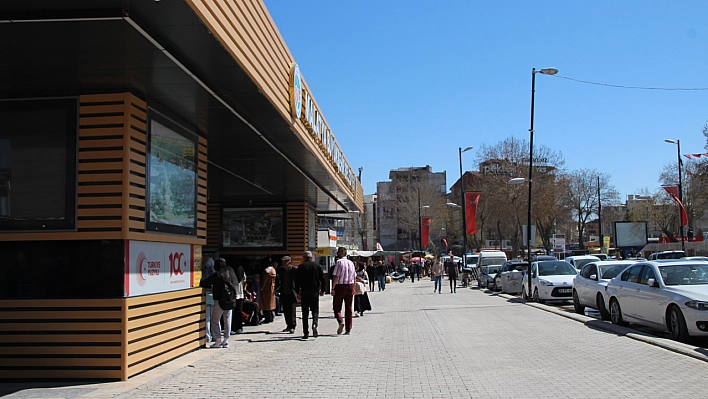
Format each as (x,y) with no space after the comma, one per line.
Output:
(285,339)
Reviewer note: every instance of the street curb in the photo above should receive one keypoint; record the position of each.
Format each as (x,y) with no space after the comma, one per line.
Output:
(677,347)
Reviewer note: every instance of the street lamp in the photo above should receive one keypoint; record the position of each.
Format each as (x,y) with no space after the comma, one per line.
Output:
(680,187)
(464,216)
(544,71)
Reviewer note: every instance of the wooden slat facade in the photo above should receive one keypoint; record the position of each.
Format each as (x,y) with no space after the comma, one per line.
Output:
(98,338)
(111,175)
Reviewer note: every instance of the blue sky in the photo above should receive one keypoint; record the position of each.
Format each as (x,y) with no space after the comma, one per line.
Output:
(405,83)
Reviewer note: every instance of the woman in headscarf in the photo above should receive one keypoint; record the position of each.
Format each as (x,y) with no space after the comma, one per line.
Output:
(361,299)
(267,299)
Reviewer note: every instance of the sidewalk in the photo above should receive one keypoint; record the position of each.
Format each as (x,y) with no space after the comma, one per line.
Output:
(417,344)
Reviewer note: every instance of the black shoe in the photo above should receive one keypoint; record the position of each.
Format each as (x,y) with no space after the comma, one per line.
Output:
(347,333)
(306,336)
(314,331)
(286,329)
(291,331)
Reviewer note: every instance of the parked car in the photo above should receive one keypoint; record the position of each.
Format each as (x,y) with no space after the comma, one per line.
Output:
(488,258)
(486,276)
(667,255)
(589,285)
(580,260)
(601,256)
(705,258)
(668,295)
(551,280)
(508,280)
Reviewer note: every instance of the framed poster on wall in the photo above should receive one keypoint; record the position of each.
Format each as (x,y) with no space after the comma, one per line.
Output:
(252,227)
(171,195)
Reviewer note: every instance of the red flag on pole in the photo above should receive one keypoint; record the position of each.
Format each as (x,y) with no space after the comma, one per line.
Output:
(471,200)
(673,192)
(426,231)
(445,241)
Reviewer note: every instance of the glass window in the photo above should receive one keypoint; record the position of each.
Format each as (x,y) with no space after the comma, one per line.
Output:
(38,164)
(588,270)
(172,177)
(631,275)
(647,273)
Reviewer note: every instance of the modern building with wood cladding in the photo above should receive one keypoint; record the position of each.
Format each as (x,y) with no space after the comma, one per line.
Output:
(136,137)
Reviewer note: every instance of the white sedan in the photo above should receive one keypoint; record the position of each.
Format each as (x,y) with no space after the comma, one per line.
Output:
(589,285)
(551,280)
(669,295)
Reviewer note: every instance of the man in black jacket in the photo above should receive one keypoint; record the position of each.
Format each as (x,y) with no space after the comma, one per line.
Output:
(309,284)
(285,284)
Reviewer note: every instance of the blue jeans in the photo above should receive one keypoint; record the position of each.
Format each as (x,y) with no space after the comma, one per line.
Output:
(382,282)
(438,283)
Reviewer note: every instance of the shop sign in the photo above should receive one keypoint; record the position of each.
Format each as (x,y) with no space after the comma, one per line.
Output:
(323,252)
(154,267)
(197,256)
(316,125)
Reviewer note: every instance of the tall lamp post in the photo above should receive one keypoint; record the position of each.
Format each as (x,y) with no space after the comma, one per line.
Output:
(420,222)
(544,71)
(680,186)
(464,216)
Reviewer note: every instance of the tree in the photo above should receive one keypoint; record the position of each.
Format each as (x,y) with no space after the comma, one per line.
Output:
(360,225)
(581,194)
(407,192)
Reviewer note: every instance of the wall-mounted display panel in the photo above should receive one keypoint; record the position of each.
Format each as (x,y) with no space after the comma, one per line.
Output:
(252,227)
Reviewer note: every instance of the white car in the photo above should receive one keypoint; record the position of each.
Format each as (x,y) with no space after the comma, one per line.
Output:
(551,280)
(589,285)
(669,295)
(579,261)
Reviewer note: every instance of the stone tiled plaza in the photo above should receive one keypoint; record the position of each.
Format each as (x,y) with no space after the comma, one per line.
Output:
(417,344)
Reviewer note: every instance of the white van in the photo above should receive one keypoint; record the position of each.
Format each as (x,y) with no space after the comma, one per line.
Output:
(491,257)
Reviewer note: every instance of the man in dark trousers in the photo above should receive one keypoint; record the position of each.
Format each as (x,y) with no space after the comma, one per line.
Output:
(309,284)
(451,269)
(288,296)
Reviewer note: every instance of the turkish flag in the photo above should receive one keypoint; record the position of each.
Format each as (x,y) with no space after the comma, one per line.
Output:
(471,201)
(673,192)
(426,231)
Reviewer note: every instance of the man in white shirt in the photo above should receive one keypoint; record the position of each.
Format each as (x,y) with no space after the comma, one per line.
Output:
(344,277)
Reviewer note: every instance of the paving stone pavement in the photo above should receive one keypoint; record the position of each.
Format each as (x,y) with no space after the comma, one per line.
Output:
(420,344)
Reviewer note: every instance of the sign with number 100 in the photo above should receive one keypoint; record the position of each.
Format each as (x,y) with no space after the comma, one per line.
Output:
(155,267)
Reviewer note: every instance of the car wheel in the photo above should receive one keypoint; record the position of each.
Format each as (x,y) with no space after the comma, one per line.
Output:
(616,313)
(604,314)
(677,324)
(491,287)
(537,298)
(579,309)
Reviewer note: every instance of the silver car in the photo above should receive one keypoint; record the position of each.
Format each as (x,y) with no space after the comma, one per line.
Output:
(589,285)
(668,295)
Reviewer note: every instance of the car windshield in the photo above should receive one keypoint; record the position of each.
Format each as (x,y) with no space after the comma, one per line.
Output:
(579,263)
(472,260)
(493,269)
(684,274)
(521,267)
(492,261)
(610,272)
(559,268)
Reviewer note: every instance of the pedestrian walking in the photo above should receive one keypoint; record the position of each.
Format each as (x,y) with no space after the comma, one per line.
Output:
(419,269)
(309,284)
(381,273)
(438,275)
(451,269)
(267,299)
(343,277)
(371,274)
(208,270)
(225,286)
(361,299)
(288,295)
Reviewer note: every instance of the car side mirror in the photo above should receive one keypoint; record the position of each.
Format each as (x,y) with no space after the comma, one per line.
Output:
(533,274)
(593,277)
(653,283)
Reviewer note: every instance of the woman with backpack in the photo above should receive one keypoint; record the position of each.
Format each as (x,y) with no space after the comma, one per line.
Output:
(226,288)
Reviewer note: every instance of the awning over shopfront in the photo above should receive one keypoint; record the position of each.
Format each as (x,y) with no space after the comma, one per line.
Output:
(165,52)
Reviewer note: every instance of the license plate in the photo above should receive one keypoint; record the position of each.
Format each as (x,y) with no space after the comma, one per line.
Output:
(565,290)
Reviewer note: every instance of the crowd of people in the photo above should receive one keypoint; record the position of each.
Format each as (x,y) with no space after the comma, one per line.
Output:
(234,300)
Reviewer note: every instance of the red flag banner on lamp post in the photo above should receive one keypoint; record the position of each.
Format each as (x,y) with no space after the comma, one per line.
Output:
(673,192)
(426,231)
(471,201)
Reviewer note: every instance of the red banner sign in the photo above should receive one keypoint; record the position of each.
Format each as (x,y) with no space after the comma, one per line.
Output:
(425,232)
(471,201)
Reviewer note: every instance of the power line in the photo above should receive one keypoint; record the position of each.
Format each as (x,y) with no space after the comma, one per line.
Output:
(631,87)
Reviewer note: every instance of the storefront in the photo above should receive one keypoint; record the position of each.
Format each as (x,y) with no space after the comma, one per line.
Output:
(136,136)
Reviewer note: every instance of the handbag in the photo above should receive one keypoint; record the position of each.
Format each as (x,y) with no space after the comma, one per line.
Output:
(359,288)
